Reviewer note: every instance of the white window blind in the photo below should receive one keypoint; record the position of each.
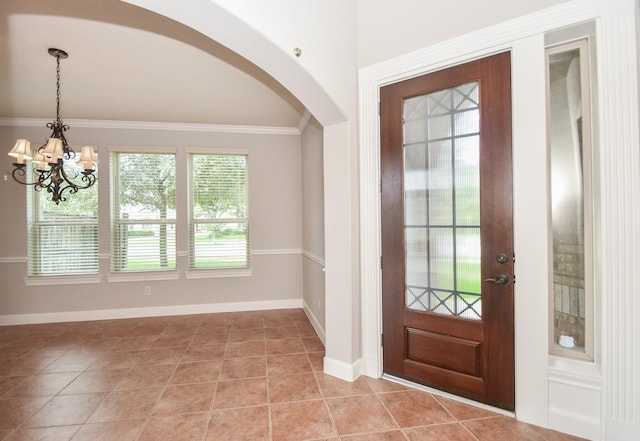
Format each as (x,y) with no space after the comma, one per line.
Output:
(143,218)
(63,239)
(218,218)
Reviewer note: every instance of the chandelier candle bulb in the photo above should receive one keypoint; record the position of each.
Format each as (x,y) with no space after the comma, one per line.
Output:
(21,151)
(88,157)
(54,150)
(39,162)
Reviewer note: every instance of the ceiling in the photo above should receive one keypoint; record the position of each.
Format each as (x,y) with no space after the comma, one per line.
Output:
(128,64)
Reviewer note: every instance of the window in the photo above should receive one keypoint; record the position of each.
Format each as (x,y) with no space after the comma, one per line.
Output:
(571,199)
(208,230)
(143,218)
(62,239)
(218,224)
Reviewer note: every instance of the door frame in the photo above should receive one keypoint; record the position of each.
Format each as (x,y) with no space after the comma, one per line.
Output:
(531,396)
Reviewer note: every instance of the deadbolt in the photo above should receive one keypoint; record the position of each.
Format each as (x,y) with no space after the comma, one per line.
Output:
(502,258)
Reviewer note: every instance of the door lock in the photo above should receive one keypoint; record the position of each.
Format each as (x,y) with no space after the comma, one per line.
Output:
(501,279)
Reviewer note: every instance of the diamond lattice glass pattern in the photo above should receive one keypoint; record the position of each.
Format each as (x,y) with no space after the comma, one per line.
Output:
(442,202)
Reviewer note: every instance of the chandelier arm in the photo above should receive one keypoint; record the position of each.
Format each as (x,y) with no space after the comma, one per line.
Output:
(43,177)
(19,175)
(65,184)
(58,196)
(56,179)
(87,176)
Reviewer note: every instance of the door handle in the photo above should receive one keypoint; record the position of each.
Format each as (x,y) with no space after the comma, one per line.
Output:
(501,279)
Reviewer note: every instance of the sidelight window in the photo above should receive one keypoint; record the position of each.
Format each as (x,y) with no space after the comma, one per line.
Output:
(571,199)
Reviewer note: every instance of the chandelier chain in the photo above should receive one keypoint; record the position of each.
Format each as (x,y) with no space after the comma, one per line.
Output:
(57,88)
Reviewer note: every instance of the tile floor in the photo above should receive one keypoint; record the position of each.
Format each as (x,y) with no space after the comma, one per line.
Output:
(254,376)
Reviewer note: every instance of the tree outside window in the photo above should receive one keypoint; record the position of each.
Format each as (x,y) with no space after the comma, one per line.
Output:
(144,219)
(218,221)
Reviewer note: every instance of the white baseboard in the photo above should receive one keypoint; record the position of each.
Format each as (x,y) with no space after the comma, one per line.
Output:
(342,370)
(156,311)
(575,424)
(317,326)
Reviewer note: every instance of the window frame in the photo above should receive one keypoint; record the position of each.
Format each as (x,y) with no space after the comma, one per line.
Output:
(191,271)
(583,44)
(115,223)
(35,276)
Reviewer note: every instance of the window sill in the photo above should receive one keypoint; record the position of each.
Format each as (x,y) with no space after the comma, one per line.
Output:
(61,280)
(563,370)
(143,276)
(215,274)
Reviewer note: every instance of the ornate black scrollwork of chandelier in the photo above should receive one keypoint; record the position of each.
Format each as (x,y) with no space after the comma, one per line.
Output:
(54,163)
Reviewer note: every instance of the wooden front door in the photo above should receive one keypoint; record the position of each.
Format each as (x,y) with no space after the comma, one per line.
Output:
(447,230)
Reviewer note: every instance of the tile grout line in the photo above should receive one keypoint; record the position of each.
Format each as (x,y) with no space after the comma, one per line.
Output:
(269,411)
(326,405)
(215,392)
(115,388)
(21,425)
(21,357)
(389,412)
(148,418)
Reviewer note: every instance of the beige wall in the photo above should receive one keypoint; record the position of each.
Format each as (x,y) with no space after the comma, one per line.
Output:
(313,222)
(275,230)
(312,190)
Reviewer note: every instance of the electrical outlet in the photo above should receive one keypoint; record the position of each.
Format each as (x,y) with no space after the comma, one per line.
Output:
(147,290)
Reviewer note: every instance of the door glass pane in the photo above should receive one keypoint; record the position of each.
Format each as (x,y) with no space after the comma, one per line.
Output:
(439,178)
(415,210)
(416,249)
(442,202)
(467,186)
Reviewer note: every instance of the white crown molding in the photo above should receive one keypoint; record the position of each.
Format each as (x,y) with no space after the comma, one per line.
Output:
(143,125)
(304,120)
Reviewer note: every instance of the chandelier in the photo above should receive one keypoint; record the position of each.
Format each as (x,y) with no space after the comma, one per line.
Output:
(54,163)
